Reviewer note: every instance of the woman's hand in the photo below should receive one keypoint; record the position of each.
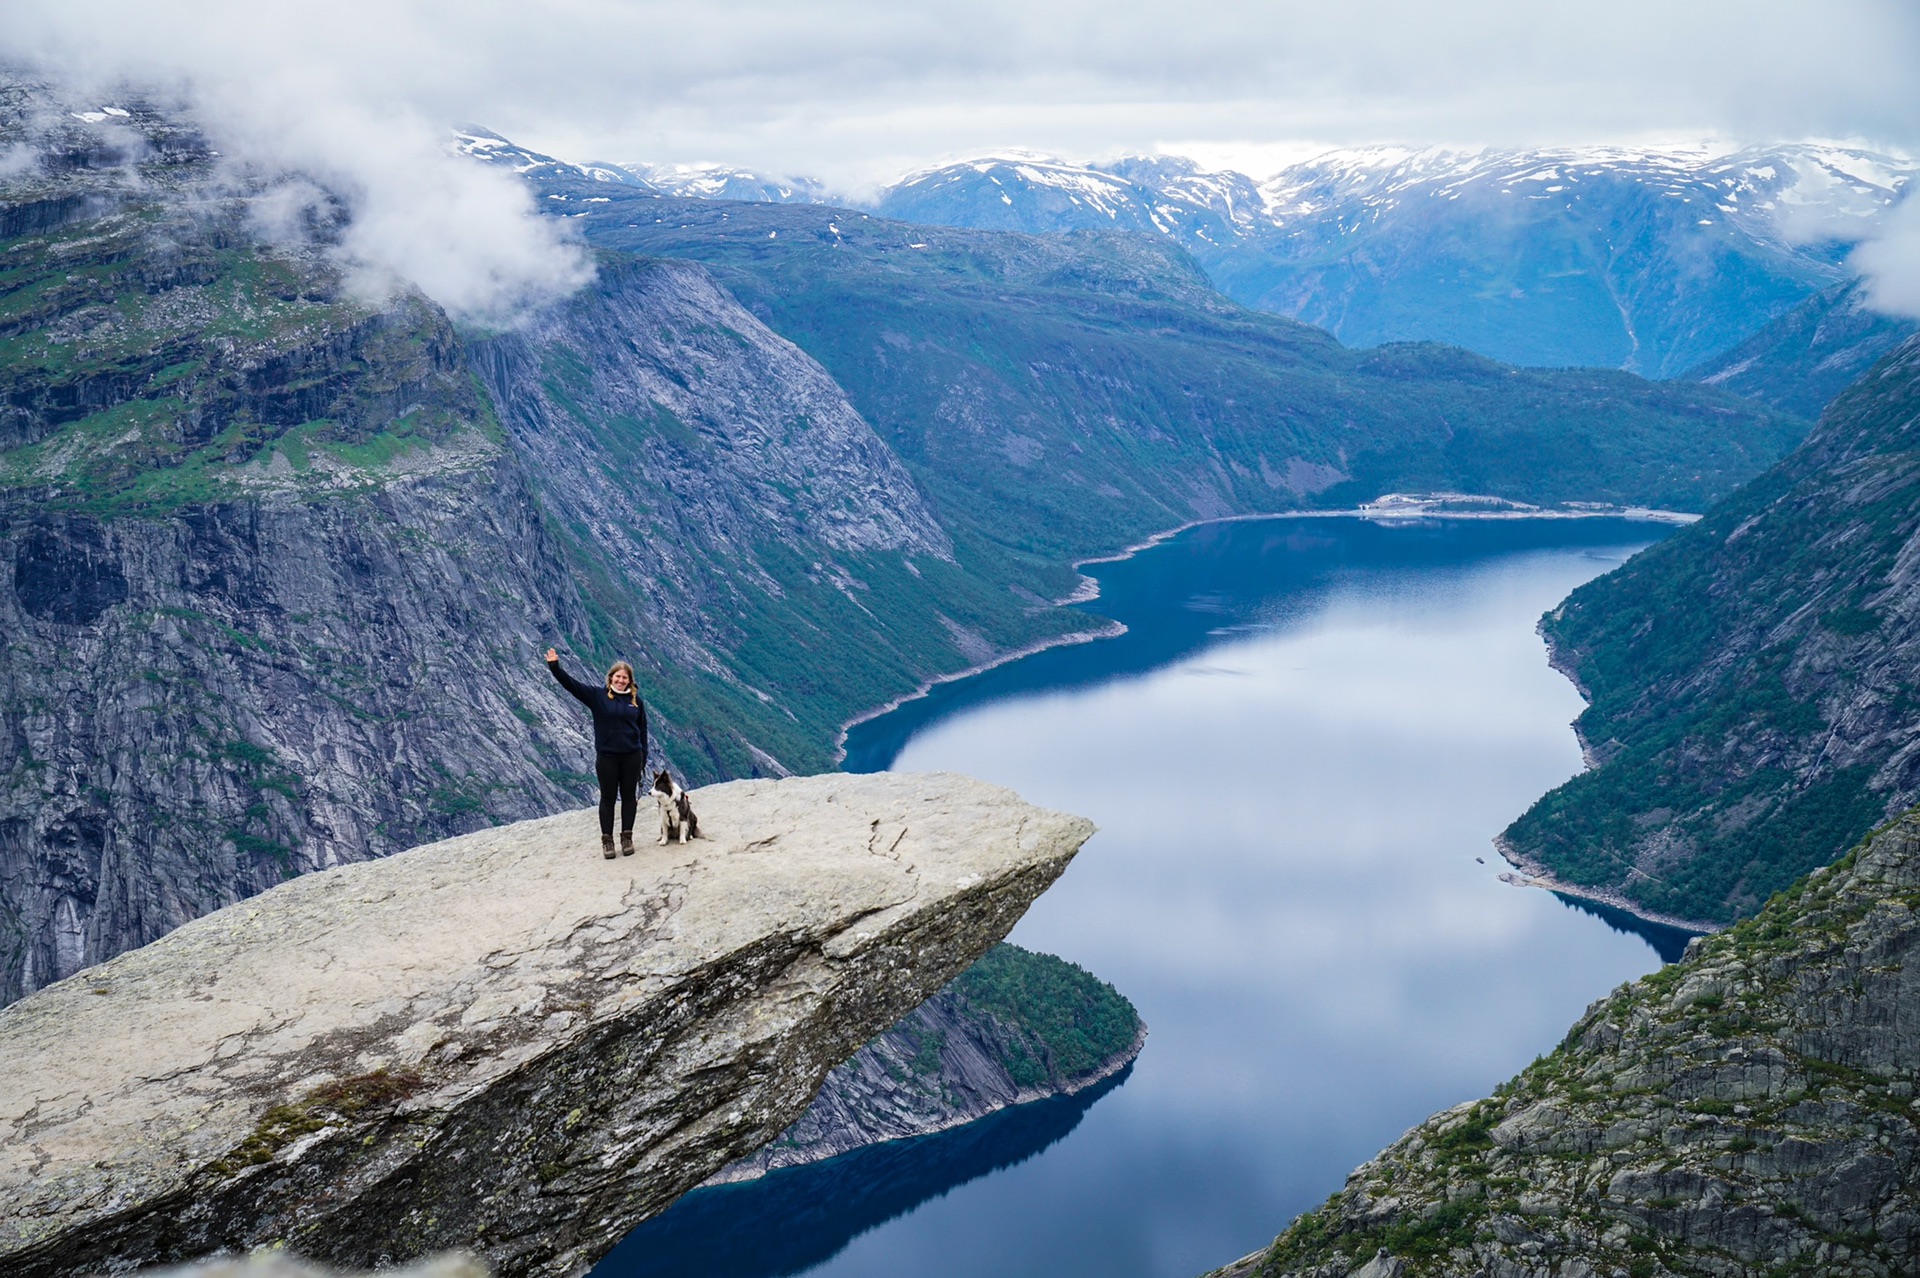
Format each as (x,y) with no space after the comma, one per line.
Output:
(552,656)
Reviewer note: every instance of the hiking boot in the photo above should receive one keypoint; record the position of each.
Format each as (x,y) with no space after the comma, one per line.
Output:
(626,843)
(606,846)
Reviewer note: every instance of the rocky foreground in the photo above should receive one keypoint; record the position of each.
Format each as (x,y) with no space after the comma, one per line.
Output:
(500,1042)
(1748,1111)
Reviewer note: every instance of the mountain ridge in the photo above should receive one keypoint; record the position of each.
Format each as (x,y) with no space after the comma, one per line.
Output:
(1548,256)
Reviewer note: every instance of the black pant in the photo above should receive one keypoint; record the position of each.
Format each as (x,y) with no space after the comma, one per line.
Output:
(622,772)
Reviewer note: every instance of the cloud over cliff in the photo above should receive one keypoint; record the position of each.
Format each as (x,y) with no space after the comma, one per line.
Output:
(1891,261)
(298,90)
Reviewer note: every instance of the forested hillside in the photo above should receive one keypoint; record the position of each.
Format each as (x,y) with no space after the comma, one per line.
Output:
(1751,677)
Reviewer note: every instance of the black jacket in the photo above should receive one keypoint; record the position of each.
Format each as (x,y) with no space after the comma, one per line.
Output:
(619,724)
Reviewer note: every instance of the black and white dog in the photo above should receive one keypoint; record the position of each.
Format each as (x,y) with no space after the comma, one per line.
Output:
(676,810)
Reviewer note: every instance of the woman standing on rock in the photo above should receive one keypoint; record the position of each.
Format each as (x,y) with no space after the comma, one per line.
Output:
(619,742)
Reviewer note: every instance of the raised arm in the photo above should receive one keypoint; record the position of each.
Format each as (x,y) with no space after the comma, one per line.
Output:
(584,693)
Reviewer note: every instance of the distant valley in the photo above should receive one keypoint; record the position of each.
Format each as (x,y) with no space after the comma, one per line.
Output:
(280,552)
(1654,260)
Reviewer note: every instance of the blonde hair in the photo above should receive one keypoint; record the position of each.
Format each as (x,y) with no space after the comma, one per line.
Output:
(633,685)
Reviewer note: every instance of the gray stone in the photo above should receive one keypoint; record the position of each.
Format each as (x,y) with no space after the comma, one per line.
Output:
(501,1041)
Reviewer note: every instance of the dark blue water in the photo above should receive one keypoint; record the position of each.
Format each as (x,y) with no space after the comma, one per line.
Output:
(1297,756)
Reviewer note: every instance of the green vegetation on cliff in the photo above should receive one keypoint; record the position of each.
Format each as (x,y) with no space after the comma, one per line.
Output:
(1014,1027)
(1065,394)
(157,359)
(1749,677)
(1748,1110)
(1079,1020)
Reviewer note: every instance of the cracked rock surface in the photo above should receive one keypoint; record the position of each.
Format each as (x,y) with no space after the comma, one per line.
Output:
(500,1042)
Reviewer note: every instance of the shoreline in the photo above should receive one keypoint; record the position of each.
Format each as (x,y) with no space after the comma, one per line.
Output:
(1391,508)
(1112,630)
(1534,875)
(1385,510)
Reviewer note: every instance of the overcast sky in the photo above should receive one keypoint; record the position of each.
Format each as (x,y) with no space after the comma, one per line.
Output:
(857,91)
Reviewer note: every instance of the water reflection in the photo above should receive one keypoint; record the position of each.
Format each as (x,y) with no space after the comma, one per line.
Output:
(1220,580)
(1298,756)
(1668,942)
(793,1219)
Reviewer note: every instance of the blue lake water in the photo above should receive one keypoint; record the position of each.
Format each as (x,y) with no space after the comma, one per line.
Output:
(1297,757)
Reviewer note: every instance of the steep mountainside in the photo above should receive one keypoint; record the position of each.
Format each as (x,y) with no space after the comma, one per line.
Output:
(1750,678)
(1803,360)
(718,495)
(277,574)
(1647,260)
(1748,1111)
(272,573)
(1015,1027)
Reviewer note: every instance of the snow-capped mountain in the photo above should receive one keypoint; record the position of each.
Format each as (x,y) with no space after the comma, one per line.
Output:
(1656,260)
(490,148)
(1036,194)
(1828,183)
(719,182)
(1652,260)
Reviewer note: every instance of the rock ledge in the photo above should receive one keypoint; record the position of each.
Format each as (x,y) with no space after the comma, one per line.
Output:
(500,1042)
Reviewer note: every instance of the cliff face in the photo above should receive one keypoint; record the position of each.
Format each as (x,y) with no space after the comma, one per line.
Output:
(1751,702)
(274,576)
(269,576)
(502,1041)
(1015,1027)
(723,499)
(1749,1110)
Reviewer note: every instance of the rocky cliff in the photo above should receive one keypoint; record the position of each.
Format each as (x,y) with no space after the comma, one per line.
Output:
(1750,1110)
(723,500)
(499,1042)
(275,573)
(273,579)
(1752,709)
(1015,1027)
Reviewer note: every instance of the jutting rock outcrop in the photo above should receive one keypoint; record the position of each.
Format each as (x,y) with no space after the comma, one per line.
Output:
(1747,1111)
(500,1042)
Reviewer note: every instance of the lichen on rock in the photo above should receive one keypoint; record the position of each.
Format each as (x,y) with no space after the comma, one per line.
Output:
(499,1042)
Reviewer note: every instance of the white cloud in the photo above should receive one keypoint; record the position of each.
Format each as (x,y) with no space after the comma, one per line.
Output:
(275,93)
(1891,261)
(857,91)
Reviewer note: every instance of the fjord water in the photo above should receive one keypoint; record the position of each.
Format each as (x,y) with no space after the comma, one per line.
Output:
(1297,757)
